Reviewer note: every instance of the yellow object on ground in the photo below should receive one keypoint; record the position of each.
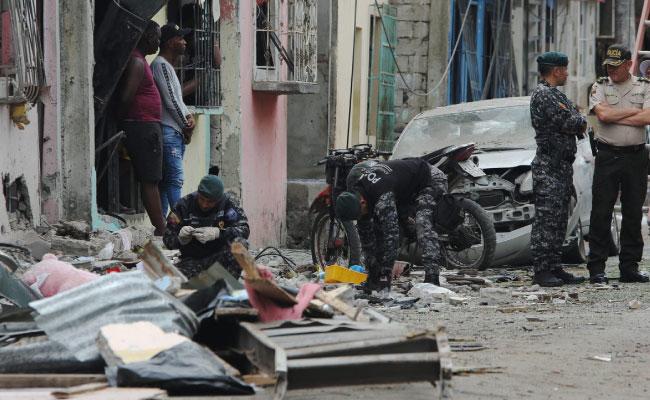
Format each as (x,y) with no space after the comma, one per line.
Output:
(338,274)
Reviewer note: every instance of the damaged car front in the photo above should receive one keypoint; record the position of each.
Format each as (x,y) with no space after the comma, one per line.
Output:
(505,147)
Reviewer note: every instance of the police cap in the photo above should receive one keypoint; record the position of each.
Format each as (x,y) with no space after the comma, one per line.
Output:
(617,54)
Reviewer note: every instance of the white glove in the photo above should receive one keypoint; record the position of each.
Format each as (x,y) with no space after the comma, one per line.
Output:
(185,235)
(206,234)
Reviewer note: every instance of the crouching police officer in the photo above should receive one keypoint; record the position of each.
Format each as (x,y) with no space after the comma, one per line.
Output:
(557,122)
(377,192)
(202,225)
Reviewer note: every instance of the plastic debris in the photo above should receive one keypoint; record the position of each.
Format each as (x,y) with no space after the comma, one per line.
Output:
(339,274)
(51,276)
(634,304)
(183,370)
(430,293)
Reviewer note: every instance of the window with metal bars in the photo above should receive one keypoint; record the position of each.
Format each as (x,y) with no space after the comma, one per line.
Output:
(285,43)
(200,67)
(21,57)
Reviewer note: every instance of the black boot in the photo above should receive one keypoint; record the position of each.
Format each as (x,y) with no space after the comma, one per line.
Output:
(598,278)
(432,278)
(633,276)
(378,284)
(547,279)
(566,277)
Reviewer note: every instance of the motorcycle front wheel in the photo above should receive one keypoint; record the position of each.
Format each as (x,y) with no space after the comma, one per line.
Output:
(338,245)
(477,228)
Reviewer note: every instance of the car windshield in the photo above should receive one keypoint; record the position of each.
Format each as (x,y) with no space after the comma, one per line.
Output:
(489,129)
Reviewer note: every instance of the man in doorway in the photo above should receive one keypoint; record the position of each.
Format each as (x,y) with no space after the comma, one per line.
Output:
(177,121)
(621,102)
(203,225)
(139,114)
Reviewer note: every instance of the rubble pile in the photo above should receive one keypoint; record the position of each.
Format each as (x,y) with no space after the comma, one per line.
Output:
(109,313)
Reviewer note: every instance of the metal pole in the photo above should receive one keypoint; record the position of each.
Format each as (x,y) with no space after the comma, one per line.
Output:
(354,43)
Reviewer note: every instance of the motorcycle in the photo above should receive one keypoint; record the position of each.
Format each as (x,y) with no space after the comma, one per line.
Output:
(334,241)
(469,243)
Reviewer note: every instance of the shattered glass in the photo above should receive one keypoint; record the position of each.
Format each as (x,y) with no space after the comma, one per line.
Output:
(488,129)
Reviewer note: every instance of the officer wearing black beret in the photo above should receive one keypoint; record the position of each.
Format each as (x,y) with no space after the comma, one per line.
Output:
(621,102)
(557,122)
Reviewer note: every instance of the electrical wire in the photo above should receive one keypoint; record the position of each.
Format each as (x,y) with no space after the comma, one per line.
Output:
(278,253)
(451,59)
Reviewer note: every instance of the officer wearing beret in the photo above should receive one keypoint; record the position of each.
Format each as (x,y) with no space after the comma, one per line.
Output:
(203,225)
(557,122)
(621,102)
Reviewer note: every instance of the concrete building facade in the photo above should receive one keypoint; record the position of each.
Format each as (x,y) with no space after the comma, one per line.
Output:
(48,168)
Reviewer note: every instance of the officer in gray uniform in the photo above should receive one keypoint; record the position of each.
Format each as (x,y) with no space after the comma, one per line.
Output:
(378,193)
(557,121)
(621,102)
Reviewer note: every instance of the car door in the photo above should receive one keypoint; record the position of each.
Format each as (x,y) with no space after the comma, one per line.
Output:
(583,173)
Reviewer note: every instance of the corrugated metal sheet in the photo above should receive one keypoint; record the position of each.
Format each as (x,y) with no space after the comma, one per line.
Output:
(73,318)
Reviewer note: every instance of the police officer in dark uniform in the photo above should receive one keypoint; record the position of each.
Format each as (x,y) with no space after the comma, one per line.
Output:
(380,191)
(621,102)
(557,121)
(203,225)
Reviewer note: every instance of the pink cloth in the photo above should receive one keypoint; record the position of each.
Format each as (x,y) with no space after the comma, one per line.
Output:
(270,311)
(52,276)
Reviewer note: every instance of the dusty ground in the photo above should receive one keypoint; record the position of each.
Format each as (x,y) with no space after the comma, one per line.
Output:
(544,353)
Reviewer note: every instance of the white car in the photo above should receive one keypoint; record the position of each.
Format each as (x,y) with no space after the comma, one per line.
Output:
(505,147)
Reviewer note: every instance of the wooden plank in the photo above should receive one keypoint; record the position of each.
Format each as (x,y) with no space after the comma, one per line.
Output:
(262,286)
(13,381)
(159,265)
(245,260)
(76,390)
(342,307)
(261,380)
(273,292)
(124,394)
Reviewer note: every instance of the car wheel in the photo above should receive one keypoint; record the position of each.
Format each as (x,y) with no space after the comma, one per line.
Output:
(576,252)
(614,237)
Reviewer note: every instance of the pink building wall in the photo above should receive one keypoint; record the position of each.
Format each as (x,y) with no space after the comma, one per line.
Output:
(263,146)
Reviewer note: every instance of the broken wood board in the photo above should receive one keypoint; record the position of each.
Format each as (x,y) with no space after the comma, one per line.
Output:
(157,265)
(261,380)
(341,306)
(280,296)
(124,394)
(77,390)
(265,287)
(14,381)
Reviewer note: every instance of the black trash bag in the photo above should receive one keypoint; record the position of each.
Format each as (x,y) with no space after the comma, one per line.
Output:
(184,370)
